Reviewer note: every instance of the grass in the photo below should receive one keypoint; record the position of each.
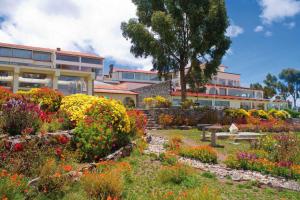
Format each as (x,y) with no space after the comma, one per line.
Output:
(145,184)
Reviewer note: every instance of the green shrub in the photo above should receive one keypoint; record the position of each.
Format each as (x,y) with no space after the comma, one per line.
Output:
(187,104)
(168,159)
(205,154)
(175,174)
(293,113)
(106,127)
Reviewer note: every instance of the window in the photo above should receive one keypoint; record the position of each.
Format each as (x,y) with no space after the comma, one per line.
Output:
(222,91)
(91,60)
(213,91)
(230,83)
(20,53)
(154,77)
(246,105)
(71,85)
(204,103)
(176,102)
(222,81)
(34,76)
(4,74)
(127,75)
(67,58)
(41,56)
(6,52)
(67,67)
(222,103)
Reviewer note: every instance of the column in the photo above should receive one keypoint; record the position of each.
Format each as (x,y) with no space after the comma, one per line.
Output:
(55,80)
(16,80)
(90,87)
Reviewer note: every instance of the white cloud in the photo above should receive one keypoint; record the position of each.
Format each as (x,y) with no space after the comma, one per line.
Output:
(290,25)
(278,10)
(71,25)
(258,29)
(268,33)
(234,30)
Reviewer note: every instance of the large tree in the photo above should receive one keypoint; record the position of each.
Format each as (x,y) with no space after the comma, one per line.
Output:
(177,33)
(291,77)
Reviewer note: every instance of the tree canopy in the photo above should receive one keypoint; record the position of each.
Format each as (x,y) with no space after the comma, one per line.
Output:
(178,33)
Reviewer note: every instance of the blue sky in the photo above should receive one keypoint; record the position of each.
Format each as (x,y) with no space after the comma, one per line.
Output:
(254,54)
(264,33)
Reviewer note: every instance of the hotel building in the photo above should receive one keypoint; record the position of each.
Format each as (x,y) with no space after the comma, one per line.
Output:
(26,67)
(225,90)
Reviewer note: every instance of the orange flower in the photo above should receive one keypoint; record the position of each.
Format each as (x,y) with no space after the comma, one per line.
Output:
(67,168)
(57,175)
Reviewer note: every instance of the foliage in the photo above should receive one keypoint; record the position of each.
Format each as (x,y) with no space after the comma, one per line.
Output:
(187,104)
(106,126)
(279,114)
(5,95)
(261,114)
(205,154)
(157,102)
(19,116)
(168,159)
(175,174)
(138,122)
(76,105)
(175,143)
(107,182)
(237,113)
(293,114)
(165,120)
(175,34)
(12,186)
(48,99)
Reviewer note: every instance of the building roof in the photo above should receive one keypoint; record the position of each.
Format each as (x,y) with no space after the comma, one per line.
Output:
(192,94)
(134,70)
(49,50)
(113,91)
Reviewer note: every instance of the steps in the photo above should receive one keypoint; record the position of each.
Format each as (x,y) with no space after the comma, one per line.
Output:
(151,123)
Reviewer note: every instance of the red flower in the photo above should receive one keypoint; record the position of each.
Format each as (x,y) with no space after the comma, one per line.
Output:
(63,139)
(58,151)
(3,156)
(18,147)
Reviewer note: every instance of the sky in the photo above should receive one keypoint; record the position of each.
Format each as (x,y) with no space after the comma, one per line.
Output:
(265,33)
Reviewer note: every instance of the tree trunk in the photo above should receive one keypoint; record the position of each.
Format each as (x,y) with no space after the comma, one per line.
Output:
(182,83)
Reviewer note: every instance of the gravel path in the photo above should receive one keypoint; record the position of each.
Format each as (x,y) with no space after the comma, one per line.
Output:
(156,146)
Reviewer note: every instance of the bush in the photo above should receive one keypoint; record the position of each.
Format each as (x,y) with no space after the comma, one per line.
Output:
(19,116)
(205,154)
(76,105)
(175,143)
(168,159)
(138,122)
(12,186)
(5,95)
(279,114)
(175,174)
(293,113)
(106,126)
(165,120)
(261,114)
(48,99)
(187,104)
(157,102)
(103,185)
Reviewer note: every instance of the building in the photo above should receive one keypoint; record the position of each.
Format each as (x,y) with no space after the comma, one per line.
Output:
(26,67)
(120,83)
(224,90)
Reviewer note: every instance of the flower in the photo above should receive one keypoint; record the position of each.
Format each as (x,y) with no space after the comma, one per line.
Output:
(18,147)
(63,139)
(58,151)
(67,168)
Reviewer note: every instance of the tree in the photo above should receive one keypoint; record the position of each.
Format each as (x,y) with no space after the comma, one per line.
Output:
(271,84)
(256,86)
(291,77)
(176,33)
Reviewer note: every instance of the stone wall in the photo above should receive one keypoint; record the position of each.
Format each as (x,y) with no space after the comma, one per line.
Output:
(161,89)
(195,117)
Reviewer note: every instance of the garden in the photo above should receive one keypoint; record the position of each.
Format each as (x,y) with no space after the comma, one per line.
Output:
(85,147)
